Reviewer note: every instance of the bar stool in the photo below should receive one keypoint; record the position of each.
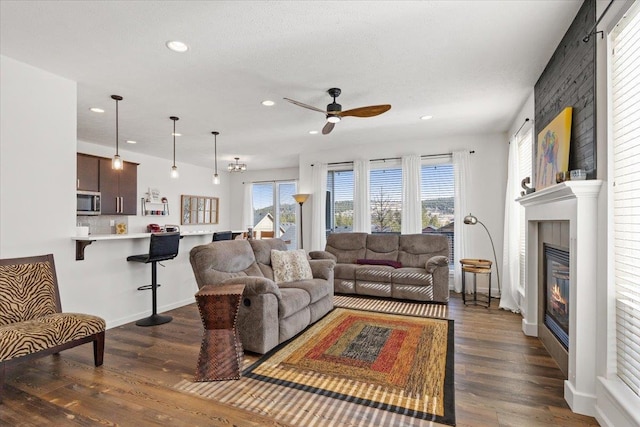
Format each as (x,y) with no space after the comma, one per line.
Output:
(162,247)
(476,267)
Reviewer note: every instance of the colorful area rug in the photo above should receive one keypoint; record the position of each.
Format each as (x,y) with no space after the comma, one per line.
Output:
(379,305)
(352,368)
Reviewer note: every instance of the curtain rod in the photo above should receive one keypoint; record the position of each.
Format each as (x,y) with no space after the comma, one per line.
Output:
(424,156)
(270,180)
(593,31)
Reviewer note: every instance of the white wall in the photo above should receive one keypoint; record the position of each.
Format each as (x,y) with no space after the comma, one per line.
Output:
(37,202)
(487,178)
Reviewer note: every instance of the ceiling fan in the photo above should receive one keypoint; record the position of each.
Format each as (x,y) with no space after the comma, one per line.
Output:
(334,111)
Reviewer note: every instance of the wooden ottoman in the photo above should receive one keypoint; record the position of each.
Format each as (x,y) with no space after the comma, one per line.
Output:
(221,352)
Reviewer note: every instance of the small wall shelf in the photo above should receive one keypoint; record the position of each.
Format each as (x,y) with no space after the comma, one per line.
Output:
(154,208)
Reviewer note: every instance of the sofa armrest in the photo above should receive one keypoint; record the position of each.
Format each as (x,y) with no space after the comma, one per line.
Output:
(322,268)
(323,255)
(435,262)
(255,285)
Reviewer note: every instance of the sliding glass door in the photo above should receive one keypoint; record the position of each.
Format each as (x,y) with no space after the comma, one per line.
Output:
(274,210)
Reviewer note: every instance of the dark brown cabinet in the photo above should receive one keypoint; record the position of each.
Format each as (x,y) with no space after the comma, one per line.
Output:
(119,189)
(87,172)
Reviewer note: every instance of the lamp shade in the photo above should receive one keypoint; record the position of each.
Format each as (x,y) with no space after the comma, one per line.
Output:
(470,220)
(301,198)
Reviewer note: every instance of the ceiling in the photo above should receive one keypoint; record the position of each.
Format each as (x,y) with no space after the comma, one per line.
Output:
(469,64)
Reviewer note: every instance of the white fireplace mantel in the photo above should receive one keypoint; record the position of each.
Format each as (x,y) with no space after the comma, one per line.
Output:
(576,202)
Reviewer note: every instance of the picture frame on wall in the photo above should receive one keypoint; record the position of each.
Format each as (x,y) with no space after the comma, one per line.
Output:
(552,149)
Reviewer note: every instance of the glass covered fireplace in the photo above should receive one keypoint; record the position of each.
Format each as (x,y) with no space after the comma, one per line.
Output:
(556,282)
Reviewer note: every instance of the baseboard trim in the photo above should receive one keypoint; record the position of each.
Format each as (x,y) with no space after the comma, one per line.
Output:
(137,316)
(580,403)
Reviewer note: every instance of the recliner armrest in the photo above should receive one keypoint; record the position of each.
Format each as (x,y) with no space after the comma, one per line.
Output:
(323,255)
(435,262)
(255,285)
(322,268)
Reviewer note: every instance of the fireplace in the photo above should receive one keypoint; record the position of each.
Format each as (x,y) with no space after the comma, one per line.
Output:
(556,282)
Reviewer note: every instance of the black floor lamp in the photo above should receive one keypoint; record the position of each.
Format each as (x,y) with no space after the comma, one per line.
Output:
(301,198)
(472,220)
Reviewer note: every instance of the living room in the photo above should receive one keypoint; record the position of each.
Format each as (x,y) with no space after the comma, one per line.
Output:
(40,128)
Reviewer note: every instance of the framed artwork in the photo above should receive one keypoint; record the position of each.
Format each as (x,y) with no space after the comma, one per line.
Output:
(199,209)
(552,153)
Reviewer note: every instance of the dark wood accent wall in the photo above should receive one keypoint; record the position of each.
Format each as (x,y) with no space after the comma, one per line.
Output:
(569,81)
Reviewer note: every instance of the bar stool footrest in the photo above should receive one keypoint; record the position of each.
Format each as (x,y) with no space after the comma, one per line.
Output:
(147,287)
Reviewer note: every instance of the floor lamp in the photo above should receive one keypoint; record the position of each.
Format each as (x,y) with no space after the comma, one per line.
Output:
(472,220)
(301,198)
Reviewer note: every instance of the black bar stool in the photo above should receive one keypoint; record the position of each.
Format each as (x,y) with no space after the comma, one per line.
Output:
(163,246)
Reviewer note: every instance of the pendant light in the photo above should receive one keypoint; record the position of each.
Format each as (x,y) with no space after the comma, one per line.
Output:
(216,177)
(174,168)
(116,163)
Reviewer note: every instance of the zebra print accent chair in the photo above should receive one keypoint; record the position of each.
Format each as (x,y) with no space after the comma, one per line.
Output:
(31,320)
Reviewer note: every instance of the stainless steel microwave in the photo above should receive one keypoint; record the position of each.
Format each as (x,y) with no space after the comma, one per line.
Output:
(88,202)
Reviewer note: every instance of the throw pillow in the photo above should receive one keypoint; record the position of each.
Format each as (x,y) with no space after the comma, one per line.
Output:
(289,266)
(390,263)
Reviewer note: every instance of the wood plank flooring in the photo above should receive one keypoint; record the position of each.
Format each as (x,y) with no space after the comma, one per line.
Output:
(503,378)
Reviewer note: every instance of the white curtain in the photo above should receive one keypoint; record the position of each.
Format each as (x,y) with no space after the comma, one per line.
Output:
(411,200)
(247,212)
(361,199)
(460,241)
(318,203)
(511,257)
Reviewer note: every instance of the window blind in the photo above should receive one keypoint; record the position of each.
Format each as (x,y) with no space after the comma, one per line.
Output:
(525,155)
(437,189)
(625,61)
(385,189)
(340,201)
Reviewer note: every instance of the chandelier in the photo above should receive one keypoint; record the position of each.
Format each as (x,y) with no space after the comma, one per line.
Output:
(237,167)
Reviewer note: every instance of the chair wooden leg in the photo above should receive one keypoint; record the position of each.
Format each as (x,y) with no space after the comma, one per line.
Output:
(98,349)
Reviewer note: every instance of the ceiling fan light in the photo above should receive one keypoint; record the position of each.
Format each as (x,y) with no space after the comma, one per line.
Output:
(333,119)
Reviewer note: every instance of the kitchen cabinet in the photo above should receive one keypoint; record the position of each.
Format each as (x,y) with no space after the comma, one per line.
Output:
(118,188)
(87,172)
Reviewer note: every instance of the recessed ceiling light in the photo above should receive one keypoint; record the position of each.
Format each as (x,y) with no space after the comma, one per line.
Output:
(175,134)
(177,46)
(426,117)
(129,141)
(96,110)
(268,103)
(313,132)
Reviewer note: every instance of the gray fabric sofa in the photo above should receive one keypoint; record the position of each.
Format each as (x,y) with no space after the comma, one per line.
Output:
(270,313)
(424,259)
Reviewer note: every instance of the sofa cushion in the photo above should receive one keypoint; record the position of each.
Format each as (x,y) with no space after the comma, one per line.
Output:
(20,299)
(411,276)
(316,288)
(416,249)
(345,271)
(292,301)
(374,273)
(216,262)
(382,246)
(347,247)
(262,251)
(289,266)
(31,336)
(387,262)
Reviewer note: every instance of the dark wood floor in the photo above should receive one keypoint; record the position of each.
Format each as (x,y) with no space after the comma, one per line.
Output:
(503,378)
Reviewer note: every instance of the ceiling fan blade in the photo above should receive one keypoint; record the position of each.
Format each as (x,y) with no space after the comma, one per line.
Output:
(370,111)
(300,104)
(328,128)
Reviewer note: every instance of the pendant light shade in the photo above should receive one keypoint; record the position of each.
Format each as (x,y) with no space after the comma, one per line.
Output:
(216,177)
(174,168)
(116,163)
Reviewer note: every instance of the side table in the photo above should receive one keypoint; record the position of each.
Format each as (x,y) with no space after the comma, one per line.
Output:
(221,352)
(475,267)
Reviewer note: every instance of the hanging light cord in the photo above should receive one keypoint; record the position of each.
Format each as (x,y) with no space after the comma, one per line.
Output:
(215,150)
(117,100)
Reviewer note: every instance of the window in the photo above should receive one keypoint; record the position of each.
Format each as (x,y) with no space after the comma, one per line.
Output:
(436,185)
(339,201)
(525,154)
(274,210)
(625,176)
(385,191)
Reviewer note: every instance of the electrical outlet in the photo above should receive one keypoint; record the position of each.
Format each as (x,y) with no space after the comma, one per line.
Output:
(112,222)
